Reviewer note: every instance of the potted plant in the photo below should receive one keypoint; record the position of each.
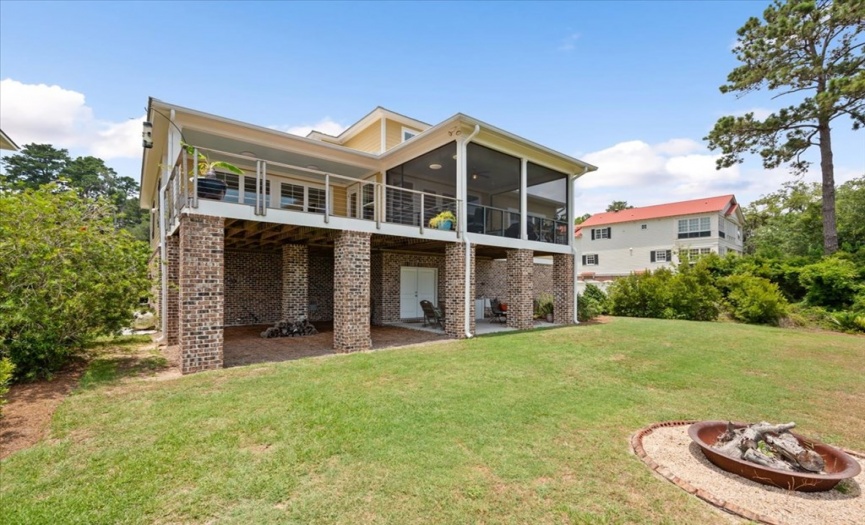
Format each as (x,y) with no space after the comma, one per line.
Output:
(545,303)
(210,187)
(443,221)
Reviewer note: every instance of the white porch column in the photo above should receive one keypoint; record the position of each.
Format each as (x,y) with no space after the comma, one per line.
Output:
(524,198)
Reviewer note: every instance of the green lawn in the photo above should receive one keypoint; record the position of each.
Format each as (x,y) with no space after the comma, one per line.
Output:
(517,428)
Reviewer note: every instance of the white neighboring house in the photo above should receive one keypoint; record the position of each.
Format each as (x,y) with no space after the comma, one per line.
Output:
(616,244)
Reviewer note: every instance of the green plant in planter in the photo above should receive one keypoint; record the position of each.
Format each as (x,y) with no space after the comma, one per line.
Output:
(443,221)
(208,167)
(210,187)
(545,303)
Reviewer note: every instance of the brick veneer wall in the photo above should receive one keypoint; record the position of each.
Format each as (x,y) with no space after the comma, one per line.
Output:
(253,283)
(390,280)
(171,265)
(201,292)
(563,288)
(295,281)
(351,292)
(376,287)
(320,289)
(454,281)
(493,279)
(520,288)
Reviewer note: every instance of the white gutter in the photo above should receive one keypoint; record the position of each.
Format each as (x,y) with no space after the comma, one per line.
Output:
(464,209)
(163,256)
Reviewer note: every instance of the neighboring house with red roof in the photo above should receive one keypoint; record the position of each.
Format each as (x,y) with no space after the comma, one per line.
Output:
(618,243)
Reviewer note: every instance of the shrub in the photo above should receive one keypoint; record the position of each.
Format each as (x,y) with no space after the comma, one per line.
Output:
(754,299)
(66,276)
(599,297)
(849,321)
(545,303)
(832,282)
(587,307)
(6,369)
(692,295)
(641,295)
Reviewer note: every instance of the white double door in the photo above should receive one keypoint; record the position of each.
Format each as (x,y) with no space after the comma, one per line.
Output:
(415,285)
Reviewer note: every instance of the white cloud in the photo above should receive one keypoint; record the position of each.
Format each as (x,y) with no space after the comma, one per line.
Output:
(325,125)
(51,114)
(569,43)
(644,174)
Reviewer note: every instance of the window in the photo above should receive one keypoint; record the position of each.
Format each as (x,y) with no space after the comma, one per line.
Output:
(408,133)
(661,256)
(232,187)
(249,191)
(301,198)
(601,233)
(590,259)
(698,227)
(696,253)
(644,227)
(721,229)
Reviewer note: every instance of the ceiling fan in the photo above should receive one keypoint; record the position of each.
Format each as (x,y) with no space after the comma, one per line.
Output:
(479,174)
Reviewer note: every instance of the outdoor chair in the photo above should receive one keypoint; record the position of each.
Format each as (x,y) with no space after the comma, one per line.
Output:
(499,315)
(432,315)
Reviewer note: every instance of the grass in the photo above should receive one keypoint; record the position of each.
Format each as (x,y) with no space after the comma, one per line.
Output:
(530,427)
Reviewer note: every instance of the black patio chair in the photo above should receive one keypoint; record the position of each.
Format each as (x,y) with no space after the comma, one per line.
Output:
(499,315)
(432,315)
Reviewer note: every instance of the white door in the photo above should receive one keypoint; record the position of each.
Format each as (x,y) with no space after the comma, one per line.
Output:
(415,285)
(409,304)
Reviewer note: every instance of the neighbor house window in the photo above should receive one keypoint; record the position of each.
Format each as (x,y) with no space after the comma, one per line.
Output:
(644,227)
(590,260)
(601,233)
(661,256)
(699,227)
(721,229)
(408,133)
(696,253)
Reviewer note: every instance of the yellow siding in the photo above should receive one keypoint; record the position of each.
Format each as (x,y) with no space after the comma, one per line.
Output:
(368,140)
(340,201)
(393,133)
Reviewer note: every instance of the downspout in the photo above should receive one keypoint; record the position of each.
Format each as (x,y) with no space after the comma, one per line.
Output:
(162,239)
(468,243)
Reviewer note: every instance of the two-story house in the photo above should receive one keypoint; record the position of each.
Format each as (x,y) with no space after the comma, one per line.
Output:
(618,243)
(341,227)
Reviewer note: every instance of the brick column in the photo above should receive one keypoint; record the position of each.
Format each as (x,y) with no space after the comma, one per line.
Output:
(295,281)
(172,269)
(521,266)
(455,285)
(202,249)
(351,289)
(563,288)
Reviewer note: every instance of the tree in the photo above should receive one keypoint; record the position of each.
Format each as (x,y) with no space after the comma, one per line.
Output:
(810,48)
(90,177)
(582,218)
(618,206)
(33,166)
(66,275)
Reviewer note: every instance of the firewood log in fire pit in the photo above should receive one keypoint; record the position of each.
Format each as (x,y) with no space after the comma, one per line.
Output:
(300,327)
(769,445)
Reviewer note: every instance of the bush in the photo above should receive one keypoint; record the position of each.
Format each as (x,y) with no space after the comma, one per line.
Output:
(641,295)
(66,276)
(6,369)
(599,297)
(849,321)
(693,295)
(587,307)
(832,282)
(754,299)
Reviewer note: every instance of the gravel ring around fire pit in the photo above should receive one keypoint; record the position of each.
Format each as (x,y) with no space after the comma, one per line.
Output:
(668,450)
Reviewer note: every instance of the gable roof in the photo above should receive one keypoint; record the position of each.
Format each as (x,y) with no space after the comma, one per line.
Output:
(659,211)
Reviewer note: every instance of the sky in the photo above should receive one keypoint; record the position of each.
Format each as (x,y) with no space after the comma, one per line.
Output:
(631,87)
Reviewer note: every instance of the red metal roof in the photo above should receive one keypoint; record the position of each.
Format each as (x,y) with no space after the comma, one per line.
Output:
(658,211)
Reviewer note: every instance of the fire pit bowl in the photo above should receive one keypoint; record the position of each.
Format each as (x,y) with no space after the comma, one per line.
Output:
(839,466)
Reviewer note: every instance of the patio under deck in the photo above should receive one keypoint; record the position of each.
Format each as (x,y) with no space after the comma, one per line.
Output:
(244,345)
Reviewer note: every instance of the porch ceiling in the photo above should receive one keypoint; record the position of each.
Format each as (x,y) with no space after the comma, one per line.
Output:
(255,235)
(233,145)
